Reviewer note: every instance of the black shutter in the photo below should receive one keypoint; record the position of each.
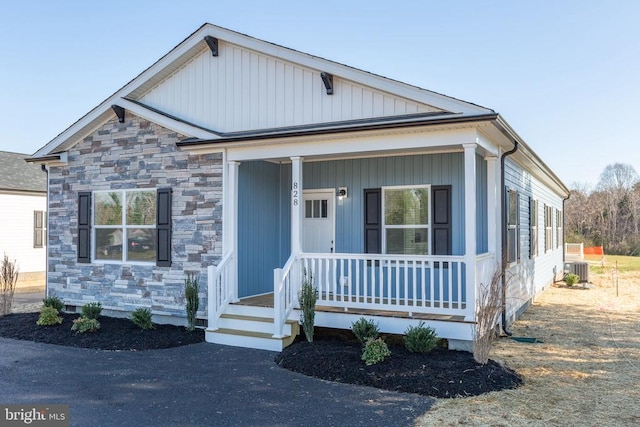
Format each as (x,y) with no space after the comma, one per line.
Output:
(441,227)
(372,221)
(163,228)
(84,227)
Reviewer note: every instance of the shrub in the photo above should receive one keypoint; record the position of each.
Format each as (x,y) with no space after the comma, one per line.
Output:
(8,281)
(420,339)
(84,324)
(49,316)
(54,302)
(375,351)
(488,309)
(571,279)
(141,317)
(365,329)
(308,297)
(92,310)
(191,291)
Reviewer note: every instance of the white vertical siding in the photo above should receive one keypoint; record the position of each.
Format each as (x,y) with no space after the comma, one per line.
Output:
(241,90)
(531,275)
(16,231)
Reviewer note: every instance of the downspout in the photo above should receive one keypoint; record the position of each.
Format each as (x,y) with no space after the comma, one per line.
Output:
(564,231)
(45,168)
(504,237)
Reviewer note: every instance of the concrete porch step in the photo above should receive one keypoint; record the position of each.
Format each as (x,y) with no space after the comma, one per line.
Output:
(248,339)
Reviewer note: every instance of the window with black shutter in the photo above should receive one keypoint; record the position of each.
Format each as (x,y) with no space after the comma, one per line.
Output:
(84,227)
(372,221)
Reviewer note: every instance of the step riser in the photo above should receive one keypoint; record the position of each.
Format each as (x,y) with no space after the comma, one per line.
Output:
(248,310)
(250,325)
(244,341)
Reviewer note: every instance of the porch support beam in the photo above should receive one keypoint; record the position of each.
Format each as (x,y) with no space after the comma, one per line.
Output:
(493,210)
(232,220)
(296,205)
(470,226)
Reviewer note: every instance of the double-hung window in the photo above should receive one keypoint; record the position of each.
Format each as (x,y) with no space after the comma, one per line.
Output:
(559,229)
(405,224)
(548,228)
(125,226)
(512,226)
(533,224)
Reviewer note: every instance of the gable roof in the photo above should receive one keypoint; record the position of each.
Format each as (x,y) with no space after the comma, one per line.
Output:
(145,94)
(18,175)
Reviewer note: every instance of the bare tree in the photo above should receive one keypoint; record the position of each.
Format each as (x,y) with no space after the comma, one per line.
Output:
(8,280)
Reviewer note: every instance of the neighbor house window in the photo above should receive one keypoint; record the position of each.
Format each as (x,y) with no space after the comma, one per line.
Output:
(406,220)
(559,228)
(512,226)
(548,228)
(39,229)
(125,226)
(533,224)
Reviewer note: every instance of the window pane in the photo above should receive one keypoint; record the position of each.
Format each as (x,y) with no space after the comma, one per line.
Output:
(108,244)
(108,209)
(513,208)
(316,208)
(324,208)
(141,244)
(408,241)
(307,209)
(141,208)
(406,206)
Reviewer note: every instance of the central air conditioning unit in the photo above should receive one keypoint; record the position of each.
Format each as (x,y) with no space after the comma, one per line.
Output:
(580,269)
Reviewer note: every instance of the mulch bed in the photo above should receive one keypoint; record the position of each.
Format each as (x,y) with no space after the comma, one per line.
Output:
(441,373)
(114,333)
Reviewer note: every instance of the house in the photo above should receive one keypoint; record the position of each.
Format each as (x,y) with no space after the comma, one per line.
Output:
(23,218)
(257,167)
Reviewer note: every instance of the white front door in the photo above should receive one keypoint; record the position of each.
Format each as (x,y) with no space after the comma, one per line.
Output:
(319,224)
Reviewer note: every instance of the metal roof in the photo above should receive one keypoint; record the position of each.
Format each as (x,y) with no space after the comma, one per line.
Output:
(18,175)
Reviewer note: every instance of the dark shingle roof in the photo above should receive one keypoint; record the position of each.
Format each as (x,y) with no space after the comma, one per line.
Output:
(16,174)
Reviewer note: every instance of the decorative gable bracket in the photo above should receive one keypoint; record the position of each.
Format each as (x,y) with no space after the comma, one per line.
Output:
(212,42)
(327,79)
(119,112)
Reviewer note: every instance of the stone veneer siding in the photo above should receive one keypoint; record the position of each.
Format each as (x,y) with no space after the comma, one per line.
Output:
(136,154)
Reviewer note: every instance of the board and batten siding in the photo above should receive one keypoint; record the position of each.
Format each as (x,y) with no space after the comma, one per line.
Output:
(16,231)
(241,89)
(264,210)
(530,276)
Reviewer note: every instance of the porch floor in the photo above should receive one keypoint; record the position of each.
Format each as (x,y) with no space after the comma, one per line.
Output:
(266,300)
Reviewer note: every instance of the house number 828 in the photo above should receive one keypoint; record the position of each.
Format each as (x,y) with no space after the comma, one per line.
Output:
(295,194)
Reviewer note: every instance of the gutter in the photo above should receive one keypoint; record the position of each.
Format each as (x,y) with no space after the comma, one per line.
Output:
(504,236)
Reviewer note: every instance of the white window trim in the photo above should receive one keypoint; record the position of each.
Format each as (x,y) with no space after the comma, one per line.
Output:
(384,224)
(123,227)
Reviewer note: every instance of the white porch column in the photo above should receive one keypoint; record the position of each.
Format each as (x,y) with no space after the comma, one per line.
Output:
(297,202)
(493,208)
(232,220)
(470,226)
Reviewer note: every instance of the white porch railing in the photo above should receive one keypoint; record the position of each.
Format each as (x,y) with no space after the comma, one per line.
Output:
(286,282)
(432,284)
(220,291)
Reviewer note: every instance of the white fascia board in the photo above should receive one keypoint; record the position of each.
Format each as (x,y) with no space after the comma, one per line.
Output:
(491,148)
(167,122)
(351,145)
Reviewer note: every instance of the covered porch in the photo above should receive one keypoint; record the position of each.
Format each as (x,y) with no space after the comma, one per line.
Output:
(268,252)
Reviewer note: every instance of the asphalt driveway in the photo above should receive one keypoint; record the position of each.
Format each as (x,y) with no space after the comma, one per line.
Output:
(197,385)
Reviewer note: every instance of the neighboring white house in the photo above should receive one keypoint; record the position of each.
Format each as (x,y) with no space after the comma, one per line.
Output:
(23,218)
(249,164)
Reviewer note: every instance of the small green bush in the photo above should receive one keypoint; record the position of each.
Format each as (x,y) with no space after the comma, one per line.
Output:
(571,279)
(375,351)
(84,324)
(49,316)
(308,297)
(191,291)
(365,329)
(420,339)
(92,310)
(141,317)
(54,302)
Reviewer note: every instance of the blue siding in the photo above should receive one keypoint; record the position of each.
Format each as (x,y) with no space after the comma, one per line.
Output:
(482,243)
(259,227)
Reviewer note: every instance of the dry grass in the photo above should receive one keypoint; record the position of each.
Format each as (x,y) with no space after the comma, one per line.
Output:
(586,373)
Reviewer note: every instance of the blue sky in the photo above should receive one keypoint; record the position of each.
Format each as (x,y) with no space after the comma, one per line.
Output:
(565,74)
